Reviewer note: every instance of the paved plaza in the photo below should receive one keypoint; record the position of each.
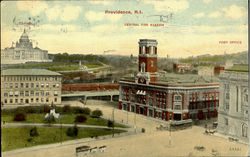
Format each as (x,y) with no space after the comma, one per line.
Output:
(152,143)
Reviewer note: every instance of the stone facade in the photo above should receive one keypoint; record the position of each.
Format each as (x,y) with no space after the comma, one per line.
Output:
(23,52)
(30,86)
(233,111)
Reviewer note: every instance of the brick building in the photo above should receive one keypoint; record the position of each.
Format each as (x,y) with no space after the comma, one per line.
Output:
(182,67)
(172,97)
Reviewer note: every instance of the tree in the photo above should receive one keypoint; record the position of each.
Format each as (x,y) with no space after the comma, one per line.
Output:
(96,114)
(110,124)
(73,131)
(19,117)
(33,132)
(81,118)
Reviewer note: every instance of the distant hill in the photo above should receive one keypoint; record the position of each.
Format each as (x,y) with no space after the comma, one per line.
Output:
(236,58)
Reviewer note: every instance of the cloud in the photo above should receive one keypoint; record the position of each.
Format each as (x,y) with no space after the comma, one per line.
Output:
(234,11)
(51,27)
(198,15)
(104,2)
(207,1)
(215,14)
(70,13)
(93,16)
(66,14)
(34,7)
(107,28)
(169,5)
(53,13)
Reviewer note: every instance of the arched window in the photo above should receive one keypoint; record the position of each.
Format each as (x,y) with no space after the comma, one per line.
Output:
(245,95)
(142,67)
(244,130)
(152,64)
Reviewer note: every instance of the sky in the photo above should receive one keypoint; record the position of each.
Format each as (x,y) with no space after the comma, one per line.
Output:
(191,27)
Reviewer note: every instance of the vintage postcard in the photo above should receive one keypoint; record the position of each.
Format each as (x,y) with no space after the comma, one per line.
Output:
(119,78)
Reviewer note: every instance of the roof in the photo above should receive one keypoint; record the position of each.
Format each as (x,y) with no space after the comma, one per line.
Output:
(173,79)
(29,72)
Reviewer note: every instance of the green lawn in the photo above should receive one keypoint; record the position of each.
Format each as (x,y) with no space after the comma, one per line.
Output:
(66,119)
(14,138)
(55,66)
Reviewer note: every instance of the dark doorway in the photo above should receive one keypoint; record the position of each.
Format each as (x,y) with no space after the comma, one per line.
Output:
(141,110)
(177,116)
(150,113)
(26,101)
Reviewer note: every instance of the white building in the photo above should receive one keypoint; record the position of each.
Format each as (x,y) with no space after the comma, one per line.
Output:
(234,103)
(23,52)
(30,86)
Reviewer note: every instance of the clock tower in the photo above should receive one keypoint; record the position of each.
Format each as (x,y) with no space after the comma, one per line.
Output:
(147,61)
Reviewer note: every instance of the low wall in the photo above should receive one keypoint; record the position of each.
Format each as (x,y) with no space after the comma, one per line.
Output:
(89,87)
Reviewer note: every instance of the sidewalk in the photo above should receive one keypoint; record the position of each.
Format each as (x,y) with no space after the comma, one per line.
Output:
(59,125)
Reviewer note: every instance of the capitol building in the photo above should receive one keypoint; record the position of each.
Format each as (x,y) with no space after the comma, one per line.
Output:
(23,52)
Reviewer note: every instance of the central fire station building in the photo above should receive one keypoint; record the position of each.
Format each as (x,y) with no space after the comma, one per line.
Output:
(167,96)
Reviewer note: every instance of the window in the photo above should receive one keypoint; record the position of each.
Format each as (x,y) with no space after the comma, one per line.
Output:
(5,101)
(37,99)
(31,100)
(55,100)
(47,85)
(227,105)
(226,86)
(21,100)
(11,101)
(16,85)
(6,85)
(57,85)
(55,93)
(244,130)
(152,63)
(177,107)
(27,85)
(142,67)
(11,94)
(16,100)
(227,95)
(21,85)
(41,99)
(31,93)
(6,95)
(47,93)
(226,121)
(42,93)
(26,93)
(21,93)
(47,99)
(177,98)
(32,85)
(42,85)
(37,85)
(11,85)
(37,93)
(16,94)
(54,86)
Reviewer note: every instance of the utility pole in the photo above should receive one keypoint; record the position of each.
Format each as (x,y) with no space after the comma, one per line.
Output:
(170,134)
(135,122)
(113,115)
(127,116)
